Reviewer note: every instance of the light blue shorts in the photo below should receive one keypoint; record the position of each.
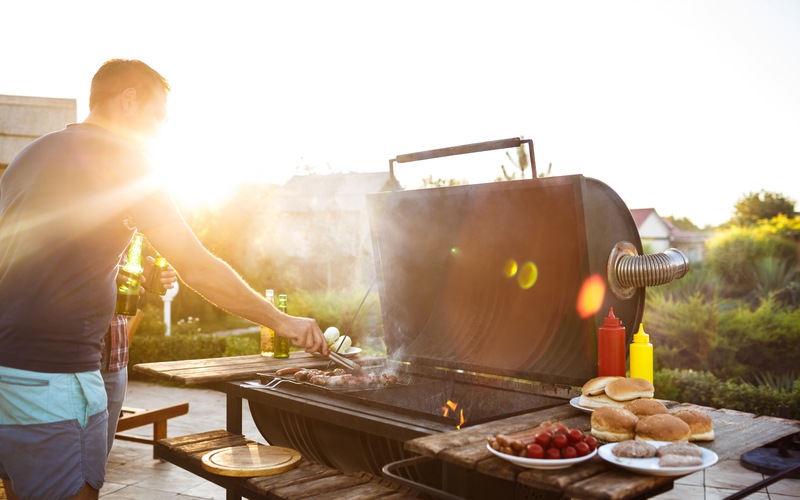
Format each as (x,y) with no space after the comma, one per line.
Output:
(53,430)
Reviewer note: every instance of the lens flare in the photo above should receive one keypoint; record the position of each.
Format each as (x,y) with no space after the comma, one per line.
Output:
(590,297)
(528,274)
(510,268)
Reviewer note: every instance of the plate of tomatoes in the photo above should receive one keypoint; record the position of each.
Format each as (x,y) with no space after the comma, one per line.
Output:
(556,448)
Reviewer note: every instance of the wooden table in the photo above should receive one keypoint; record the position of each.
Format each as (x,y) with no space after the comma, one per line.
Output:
(736,432)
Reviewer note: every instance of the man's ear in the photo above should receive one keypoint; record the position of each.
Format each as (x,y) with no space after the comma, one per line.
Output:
(128,99)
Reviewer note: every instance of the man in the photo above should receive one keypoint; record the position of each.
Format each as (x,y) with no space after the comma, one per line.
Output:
(63,203)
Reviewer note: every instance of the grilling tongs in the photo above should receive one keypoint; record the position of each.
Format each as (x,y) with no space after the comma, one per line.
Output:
(347,364)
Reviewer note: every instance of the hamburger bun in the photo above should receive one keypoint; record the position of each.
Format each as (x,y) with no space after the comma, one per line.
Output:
(645,407)
(596,386)
(614,424)
(700,424)
(599,401)
(664,427)
(627,389)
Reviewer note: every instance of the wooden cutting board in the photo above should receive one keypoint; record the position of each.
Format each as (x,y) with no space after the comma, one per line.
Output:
(249,460)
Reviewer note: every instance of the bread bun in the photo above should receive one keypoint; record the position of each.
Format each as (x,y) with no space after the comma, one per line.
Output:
(645,407)
(596,385)
(664,427)
(627,389)
(599,401)
(614,424)
(700,424)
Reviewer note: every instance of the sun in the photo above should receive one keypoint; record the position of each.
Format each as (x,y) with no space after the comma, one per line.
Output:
(195,171)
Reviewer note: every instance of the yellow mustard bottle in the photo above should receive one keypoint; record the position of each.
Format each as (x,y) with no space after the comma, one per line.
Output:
(641,356)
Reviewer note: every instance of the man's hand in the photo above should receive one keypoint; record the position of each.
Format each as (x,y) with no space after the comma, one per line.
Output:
(305,333)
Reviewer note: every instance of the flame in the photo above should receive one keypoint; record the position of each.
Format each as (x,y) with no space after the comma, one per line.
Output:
(453,406)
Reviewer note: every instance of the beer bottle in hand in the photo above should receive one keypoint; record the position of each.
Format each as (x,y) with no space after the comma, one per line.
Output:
(153,282)
(130,276)
(281,344)
(267,335)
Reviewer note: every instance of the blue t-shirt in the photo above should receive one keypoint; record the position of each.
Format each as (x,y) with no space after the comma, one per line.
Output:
(64,202)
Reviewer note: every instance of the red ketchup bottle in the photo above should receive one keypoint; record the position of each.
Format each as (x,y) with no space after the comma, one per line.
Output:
(611,347)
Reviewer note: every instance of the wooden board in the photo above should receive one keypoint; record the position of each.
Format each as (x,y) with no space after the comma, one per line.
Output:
(210,370)
(250,460)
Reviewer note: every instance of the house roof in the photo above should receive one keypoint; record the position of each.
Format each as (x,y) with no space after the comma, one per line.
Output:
(641,214)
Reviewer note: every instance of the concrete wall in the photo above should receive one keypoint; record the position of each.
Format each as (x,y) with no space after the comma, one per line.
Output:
(23,119)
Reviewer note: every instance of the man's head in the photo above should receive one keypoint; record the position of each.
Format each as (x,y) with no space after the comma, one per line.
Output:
(130,97)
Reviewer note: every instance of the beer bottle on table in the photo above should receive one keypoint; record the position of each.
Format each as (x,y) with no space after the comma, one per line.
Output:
(281,344)
(267,335)
(130,277)
(153,282)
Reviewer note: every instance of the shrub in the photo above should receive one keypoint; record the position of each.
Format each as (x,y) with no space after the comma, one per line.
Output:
(684,331)
(757,341)
(703,388)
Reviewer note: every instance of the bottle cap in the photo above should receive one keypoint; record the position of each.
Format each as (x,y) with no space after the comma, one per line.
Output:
(611,320)
(641,336)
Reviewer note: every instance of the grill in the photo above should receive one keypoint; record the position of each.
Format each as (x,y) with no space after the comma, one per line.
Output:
(490,296)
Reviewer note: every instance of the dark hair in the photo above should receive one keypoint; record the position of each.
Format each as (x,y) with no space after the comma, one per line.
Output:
(116,75)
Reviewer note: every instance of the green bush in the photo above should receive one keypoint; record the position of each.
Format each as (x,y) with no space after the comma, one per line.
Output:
(150,349)
(764,340)
(242,345)
(684,331)
(734,254)
(703,388)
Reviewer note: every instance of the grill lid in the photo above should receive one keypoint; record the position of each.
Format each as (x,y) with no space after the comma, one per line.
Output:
(491,278)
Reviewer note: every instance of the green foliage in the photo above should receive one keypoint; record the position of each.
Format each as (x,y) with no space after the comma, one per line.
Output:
(150,349)
(152,322)
(338,308)
(705,389)
(762,205)
(686,330)
(733,255)
(760,340)
(187,326)
(242,345)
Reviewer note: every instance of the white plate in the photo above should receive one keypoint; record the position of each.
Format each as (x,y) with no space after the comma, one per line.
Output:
(650,466)
(574,403)
(541,463)
(351,352)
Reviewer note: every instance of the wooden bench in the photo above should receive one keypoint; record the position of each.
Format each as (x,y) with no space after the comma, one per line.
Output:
(304,481)
(135,417)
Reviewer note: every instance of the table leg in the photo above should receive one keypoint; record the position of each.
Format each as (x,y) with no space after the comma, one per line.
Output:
(233,414)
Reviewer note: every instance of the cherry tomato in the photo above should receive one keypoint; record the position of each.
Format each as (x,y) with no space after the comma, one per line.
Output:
(582,449)
(570,452)
(561,429)
(534,450)
(553,454)
(591,441)
(575,436)
(560,441)
(542,439)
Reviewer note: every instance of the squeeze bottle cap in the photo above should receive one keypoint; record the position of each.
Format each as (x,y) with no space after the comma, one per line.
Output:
(611,320)
(641,336)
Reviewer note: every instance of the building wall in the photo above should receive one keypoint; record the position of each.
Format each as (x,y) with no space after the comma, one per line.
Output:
(23,119)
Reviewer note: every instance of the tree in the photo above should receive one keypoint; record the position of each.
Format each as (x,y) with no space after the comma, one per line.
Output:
(682,223)
(762,205)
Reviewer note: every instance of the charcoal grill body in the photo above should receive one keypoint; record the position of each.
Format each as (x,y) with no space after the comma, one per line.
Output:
(478,283)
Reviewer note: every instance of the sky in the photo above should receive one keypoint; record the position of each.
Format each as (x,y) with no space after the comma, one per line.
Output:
(684,106)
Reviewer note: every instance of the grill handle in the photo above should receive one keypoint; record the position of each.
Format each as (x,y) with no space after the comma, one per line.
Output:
(476,147)
(389,471)
(627,270)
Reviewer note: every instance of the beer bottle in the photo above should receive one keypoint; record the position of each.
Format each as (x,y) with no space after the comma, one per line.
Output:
(267,335)
(153,282)
(130,275)
(281,344)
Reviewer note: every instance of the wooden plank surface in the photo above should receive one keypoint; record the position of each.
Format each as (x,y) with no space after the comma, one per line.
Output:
(209,370)
(735,433)
(304,481)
